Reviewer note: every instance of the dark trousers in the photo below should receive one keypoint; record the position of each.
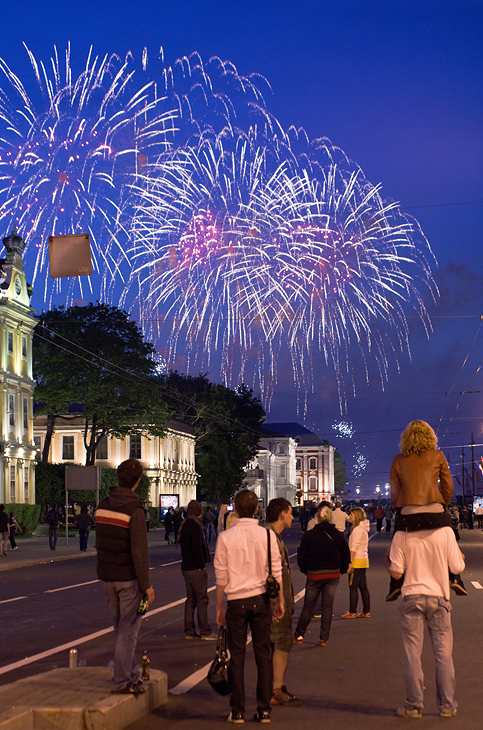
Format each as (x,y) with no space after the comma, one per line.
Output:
(53,535)
(379,523)
(196,598)
(13,531)
(326,589)
(83,538)
(254,612)
(358,582)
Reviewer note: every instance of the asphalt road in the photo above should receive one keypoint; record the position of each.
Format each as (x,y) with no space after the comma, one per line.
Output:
(354,682)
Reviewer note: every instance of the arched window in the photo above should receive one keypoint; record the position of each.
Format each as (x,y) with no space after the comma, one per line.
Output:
(313,484)
(313,463)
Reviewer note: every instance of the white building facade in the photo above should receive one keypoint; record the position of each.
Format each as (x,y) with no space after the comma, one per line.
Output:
(271,473)
(17,323)
(168,461)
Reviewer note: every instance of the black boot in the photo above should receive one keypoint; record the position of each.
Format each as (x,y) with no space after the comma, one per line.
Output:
(457,585)
(395,589)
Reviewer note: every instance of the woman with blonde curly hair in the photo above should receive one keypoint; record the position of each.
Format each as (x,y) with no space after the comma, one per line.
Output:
(421,488)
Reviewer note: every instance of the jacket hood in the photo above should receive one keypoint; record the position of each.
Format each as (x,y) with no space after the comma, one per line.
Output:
(365,525)
(120,496)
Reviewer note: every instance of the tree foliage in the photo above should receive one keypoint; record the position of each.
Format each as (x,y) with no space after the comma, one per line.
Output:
(94,361)
(226,424)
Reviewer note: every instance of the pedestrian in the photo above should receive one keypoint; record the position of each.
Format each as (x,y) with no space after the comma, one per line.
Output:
(424,558)
(123,565)
(379,514)
(339,518)
(84,522)
(4,529)
(389,514)
(208,524)
(177,521)
(194,556)
(303,517)
(168,524)
(241,567)
(421,487)
(479,516)
(359,549)
(14,528)
(279,517)
(323,556)
(470,516)
(54,518)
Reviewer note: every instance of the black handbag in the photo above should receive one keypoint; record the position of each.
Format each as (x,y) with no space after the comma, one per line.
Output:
(218,672)
(272,586)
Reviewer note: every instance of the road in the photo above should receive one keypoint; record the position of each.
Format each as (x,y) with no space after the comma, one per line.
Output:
(354,682)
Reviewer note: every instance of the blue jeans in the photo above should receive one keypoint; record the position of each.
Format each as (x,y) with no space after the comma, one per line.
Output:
(123,598)
(313,588)
(435,613)
(53,535)
(254,612)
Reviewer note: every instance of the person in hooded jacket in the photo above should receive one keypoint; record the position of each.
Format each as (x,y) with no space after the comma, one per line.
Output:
(323,556)
(123,566)
(359,547)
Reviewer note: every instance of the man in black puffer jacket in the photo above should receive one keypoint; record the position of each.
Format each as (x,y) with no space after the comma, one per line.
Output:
(123,565)
(323,556)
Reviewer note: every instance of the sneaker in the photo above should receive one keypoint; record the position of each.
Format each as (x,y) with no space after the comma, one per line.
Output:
(393,595)
(458,586)
(262,716)
(349,615)
(364,615)
(124,691)
(323,642)
(282,696)
(190,637)
(448,713)
(317,615)
(209,637)
(137,688)
(414,713)
(298,639)
(236,718)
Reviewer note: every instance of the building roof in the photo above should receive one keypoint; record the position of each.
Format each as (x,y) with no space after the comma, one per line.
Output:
(303,436)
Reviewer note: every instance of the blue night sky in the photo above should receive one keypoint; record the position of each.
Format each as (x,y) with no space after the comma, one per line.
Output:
(399,90)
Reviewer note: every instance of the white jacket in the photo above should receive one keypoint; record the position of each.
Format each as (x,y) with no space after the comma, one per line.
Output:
(359,544)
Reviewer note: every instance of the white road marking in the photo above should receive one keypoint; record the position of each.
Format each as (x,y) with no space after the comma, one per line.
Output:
(9,600)
(81,640)
(477,585)
(198,676)
(77,585)
(165,565)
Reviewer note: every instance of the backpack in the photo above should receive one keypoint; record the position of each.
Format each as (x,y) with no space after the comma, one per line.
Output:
(52,518)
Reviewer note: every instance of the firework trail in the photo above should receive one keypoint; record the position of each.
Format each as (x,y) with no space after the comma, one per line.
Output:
(230,238)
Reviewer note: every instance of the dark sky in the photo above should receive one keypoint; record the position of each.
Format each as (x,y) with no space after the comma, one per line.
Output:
(399,89)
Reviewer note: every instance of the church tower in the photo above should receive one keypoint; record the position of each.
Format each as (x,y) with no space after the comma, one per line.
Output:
(17,450)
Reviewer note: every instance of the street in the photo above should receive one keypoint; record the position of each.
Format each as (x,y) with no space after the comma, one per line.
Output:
(355,681)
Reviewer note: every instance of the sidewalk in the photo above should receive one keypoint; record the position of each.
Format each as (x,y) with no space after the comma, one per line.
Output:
(35,550)
(76,699)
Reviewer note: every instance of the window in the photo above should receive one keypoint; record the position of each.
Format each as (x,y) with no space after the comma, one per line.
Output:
(38,447)
(313,484)
(26,484)
(101,450)
(281,448)
(24,347)
(313,464)
(68,448)
(12,484)
(298,483)
(10,343)
(11,409)
(282,471)
(135,446)
(25,414)
(298,464)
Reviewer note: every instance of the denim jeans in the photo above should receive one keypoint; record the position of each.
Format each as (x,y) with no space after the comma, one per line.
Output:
(196,597)
(3,542)
(254,612)
(53,535)
(123,598)
(435,613)
(358,582)
(327,590)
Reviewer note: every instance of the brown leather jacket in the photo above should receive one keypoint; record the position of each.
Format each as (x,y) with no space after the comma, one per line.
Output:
(414,479)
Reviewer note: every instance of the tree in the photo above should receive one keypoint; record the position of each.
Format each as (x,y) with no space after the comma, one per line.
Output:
(93,360)
(226,424)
